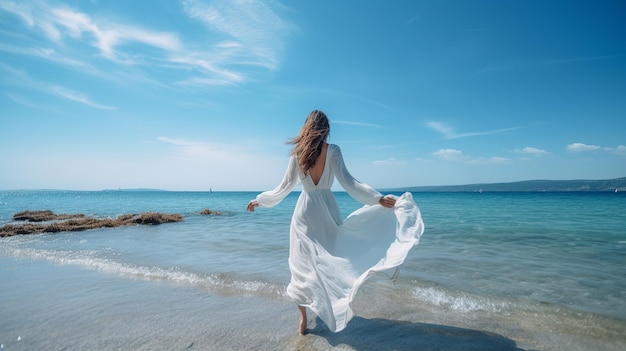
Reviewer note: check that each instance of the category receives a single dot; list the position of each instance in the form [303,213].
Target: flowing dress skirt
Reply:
[330,260]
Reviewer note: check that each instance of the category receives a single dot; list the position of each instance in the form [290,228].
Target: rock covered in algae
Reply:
[210,212]
[55,223]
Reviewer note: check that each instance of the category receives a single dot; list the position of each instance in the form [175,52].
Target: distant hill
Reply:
[134,189]
[611,185]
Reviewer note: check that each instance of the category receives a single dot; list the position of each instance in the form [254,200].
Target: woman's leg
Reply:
[302,310]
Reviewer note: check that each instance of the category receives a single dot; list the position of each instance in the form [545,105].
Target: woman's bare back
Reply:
[317,170]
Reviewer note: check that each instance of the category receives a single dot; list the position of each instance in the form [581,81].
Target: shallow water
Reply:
[541,270]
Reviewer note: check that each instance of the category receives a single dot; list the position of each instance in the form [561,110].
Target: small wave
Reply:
[458,301]
[218,283]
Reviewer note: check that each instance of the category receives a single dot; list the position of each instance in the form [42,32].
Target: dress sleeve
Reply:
[290,179]
[361,192]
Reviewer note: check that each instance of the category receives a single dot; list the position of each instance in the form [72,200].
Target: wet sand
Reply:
[78,309]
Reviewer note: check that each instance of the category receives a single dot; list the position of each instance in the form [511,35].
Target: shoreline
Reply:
[86,309]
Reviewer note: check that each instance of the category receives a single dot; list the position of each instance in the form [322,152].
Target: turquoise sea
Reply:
[493,271]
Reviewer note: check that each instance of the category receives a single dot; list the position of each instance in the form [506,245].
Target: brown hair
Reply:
[308,143]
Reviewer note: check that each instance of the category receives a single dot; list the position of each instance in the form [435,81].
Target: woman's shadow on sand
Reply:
[387,335]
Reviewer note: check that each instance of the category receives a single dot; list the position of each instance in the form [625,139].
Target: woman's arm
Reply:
[359,191]
[273,197]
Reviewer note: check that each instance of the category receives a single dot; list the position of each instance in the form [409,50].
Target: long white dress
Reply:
[330,258]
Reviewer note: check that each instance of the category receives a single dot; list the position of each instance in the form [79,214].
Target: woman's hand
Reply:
[252,205]
[387,201]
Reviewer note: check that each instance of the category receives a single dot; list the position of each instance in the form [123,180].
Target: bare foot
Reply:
[302,328]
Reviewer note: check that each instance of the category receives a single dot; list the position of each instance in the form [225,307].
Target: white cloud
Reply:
[110,36]
[532,151]
[58,57]
[251,27]
[214,75]
[21,10]
[449,133]
[21,78]
[241,34]
[457,155]
[449,154]
[579,147]
[620,149]
[61,22]
[360,124]
[78,97]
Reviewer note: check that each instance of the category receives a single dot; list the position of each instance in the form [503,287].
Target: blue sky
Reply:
[192,95]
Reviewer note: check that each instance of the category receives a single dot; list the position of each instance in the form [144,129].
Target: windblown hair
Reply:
[308,143]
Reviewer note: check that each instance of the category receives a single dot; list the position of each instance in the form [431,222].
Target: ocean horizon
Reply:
[533,185]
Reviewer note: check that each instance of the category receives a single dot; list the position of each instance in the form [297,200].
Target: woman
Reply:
[324,275]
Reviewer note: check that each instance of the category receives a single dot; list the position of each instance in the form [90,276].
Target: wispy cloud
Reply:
[209,153]
[359,124]
[214,75]
[78,97]
[189,148]
[241,34]
[449,133]
[21,78]
[76,63]
[21,100]
[458,156]
[107,38]
[253,30]
[60,22]
[45,53]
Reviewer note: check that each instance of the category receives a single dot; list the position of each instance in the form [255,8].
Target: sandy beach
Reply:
[128,314]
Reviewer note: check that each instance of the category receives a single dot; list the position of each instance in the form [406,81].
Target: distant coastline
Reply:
[134,189]
[579,185]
